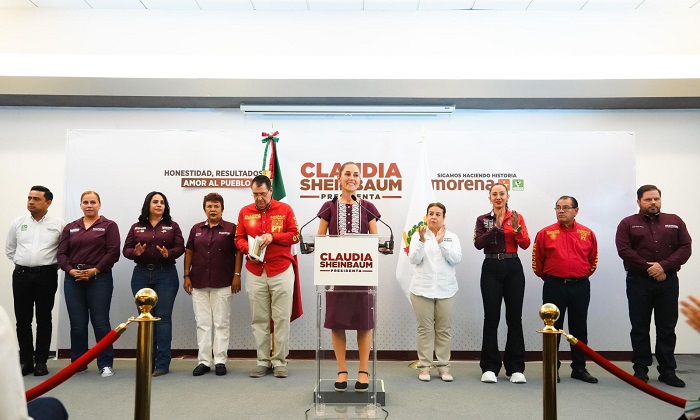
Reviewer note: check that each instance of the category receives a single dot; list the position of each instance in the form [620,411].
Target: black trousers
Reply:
[644,297]
[34,290]
[573,296]
[503,281]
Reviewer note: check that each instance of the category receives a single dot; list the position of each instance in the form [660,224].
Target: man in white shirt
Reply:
[32,242]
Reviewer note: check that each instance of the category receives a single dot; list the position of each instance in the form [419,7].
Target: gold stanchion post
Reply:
[549,314]
[145,299]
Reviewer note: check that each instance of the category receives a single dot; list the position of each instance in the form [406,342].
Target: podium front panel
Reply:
[346,261]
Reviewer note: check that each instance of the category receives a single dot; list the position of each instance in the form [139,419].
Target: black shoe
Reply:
[158,372]
[341,386]
[672,380]
[200,370]
[220,369]
[583,375]
[359,386]
[641,376]
[41,370]
[27,368]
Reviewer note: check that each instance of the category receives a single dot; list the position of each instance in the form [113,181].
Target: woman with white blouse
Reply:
[435,251]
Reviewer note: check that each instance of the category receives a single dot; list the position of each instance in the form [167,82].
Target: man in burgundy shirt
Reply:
[653,246]
[270,282]
[564,255]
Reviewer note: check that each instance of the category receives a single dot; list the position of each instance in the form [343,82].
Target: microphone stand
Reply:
[309,247]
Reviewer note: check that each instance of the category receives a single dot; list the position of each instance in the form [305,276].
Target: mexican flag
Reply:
[420,198]
[271,168]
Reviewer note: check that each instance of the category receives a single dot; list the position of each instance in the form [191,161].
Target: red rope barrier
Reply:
[70,370]
[635,382]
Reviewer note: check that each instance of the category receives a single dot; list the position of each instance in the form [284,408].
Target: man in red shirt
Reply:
[564,255]
[270,280]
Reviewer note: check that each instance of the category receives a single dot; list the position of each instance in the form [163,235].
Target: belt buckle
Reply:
[151,267]
[569,281]
[501,256]
[80,267]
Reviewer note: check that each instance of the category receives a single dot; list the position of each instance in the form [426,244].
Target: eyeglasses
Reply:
[261,194]
[564,208]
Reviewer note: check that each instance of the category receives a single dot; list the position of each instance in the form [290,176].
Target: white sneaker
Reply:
[424,375]
[489,377]
[446,377]
[106,372]
[518,378]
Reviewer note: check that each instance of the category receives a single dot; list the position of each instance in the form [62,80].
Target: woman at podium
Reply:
[434,251]
[349,311]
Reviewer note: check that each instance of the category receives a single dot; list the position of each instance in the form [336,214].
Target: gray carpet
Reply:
[179,395]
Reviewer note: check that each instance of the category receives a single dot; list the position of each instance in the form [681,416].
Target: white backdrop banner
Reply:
[595,167]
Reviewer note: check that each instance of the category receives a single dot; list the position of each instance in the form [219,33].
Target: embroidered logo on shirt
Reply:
[224,233]
[198,234]
[75,230]
[252,216]
[553,234]
[23,228]
[166,228]
[277,225]
[584,234]
[637,226]
[98,229]
[139,229]
[671,226]
[52,230]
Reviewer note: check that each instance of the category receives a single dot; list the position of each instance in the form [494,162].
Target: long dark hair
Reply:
[146,209]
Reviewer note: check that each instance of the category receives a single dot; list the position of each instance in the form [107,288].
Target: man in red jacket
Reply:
[273,226]
[565,254]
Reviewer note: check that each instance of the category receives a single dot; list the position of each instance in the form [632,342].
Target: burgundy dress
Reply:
[348,311]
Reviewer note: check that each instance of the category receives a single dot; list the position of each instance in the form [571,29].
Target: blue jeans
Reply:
[164,281]
[89,301]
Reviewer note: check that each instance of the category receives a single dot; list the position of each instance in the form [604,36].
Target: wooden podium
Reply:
[346,269]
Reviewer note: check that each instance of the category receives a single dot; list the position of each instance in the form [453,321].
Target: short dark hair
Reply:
[48,195]
[216,197]
[574,201]
[146,209]
[436,204]
[645,188]
[261,180]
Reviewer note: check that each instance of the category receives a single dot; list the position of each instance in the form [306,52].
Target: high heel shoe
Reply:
[341,386]
[359,386]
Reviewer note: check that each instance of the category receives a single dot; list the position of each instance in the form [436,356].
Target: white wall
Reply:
[33,141]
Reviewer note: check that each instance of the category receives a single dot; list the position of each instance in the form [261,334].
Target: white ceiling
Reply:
[357,5]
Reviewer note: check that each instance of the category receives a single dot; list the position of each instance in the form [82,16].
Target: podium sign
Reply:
[346,261]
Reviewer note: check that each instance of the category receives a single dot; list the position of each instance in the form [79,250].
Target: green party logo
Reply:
[518,184]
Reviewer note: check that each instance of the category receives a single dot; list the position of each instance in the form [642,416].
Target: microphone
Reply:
[388,246]
[308,248]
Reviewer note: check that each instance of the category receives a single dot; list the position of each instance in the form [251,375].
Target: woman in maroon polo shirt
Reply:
[212,275]
[88,249]
[154,243]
